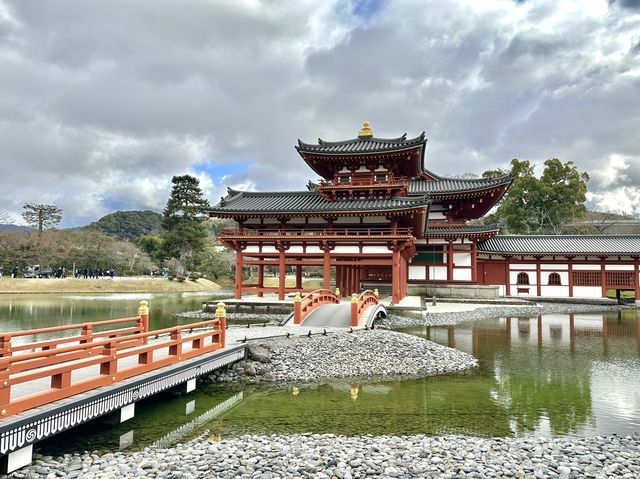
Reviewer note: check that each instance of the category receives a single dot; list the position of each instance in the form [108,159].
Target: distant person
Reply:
[14,272]
[113,273]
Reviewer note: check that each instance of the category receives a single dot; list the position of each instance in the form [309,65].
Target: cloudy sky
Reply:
[101,102]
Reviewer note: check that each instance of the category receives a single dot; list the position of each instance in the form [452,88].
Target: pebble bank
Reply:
[452,318]
[329,456]
[361,354]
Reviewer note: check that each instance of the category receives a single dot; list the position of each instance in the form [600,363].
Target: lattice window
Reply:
[586,278]
[523,278]
[619,278]
[554,280]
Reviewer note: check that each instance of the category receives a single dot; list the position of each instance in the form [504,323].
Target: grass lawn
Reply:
[138,284]
[290,282]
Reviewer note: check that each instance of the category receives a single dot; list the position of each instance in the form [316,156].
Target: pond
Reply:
[552,375]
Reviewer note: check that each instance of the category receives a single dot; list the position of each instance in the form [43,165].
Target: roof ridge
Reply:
[397,140]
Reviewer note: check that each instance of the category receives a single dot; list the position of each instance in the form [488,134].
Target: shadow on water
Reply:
[546,376]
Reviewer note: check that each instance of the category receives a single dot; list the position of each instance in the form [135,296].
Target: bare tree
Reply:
[41,216]
[4,217]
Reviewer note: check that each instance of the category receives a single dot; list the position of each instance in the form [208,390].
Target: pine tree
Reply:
[41,216]
[183,228]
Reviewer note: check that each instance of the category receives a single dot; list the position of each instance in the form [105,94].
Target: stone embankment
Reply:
[340,354]
[329,456]
[455,317]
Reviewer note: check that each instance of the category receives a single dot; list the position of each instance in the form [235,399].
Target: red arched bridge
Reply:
[324,308]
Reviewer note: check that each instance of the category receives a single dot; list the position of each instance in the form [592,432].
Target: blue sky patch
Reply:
[216,171]
[367,8]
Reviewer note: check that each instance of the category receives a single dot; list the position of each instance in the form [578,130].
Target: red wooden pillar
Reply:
[636,282]
[261,278]
[538,277]
[603,277]
[281,273]
[450,261]
[474,262]
[238,282]
[507,276]
[326,270]
[570,280]
[395,277]
[299,276]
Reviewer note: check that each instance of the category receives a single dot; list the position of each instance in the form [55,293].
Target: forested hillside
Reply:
[128,225]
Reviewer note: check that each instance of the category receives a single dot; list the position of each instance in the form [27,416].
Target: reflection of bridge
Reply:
[51,385]
[323,308]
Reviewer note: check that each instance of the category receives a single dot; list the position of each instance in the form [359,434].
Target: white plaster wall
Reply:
[587,291]
[271,221]
[436,215]
[417,272]
[375,249]
[295,249]
[251,249]
[502,290]
[346,219]
[555,291]
[618,267]
[518,267]
[314,249]
[346,249]
[554,267]
[461,274]
[437,241]
[586,267]
[438,272]
[462,259]
[514,291]
[269,249]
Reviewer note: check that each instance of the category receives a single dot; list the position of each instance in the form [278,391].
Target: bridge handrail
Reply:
[66,327]
[59,363]
[361,302]
[303,306]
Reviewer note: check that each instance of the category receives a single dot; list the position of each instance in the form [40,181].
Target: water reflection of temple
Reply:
[543,367]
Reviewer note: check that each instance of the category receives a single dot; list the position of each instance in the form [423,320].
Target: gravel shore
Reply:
[329,456]
[362,354]
[451,318]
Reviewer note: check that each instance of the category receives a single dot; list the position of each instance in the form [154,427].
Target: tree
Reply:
[129,225]
[541,205]
[183,228]
[41,216]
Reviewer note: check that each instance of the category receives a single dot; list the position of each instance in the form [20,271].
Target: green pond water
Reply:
[549,376]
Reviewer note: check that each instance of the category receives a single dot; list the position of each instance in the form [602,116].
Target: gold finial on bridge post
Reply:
[376,293]
[338,293]
[221,312]
[297,298]
[354,298]
[143,308]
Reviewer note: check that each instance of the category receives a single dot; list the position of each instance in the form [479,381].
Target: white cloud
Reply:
[100,104]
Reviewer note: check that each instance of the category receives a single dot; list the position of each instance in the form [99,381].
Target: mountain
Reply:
[128,225]
[14,228]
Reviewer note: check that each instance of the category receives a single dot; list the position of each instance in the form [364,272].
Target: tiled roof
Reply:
[308,202]
[462,229]
[610,244]
[361,145]
[454,185]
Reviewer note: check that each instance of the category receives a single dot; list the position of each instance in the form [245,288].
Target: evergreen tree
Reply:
[183,227]
[41,216]
[541,205]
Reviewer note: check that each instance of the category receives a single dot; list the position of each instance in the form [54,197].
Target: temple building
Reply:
[377,217]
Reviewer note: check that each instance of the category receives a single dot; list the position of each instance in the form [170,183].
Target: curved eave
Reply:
[452,235]
[329,214]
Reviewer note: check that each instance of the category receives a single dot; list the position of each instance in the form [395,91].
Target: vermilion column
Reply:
[238,282]
[603,278]
[450,261]
[395,277]
[538,277]
[570,279]
[507,276]
[474,262]
[636,282]
[299,276]
[326,269]
[261,278]
[281,274]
